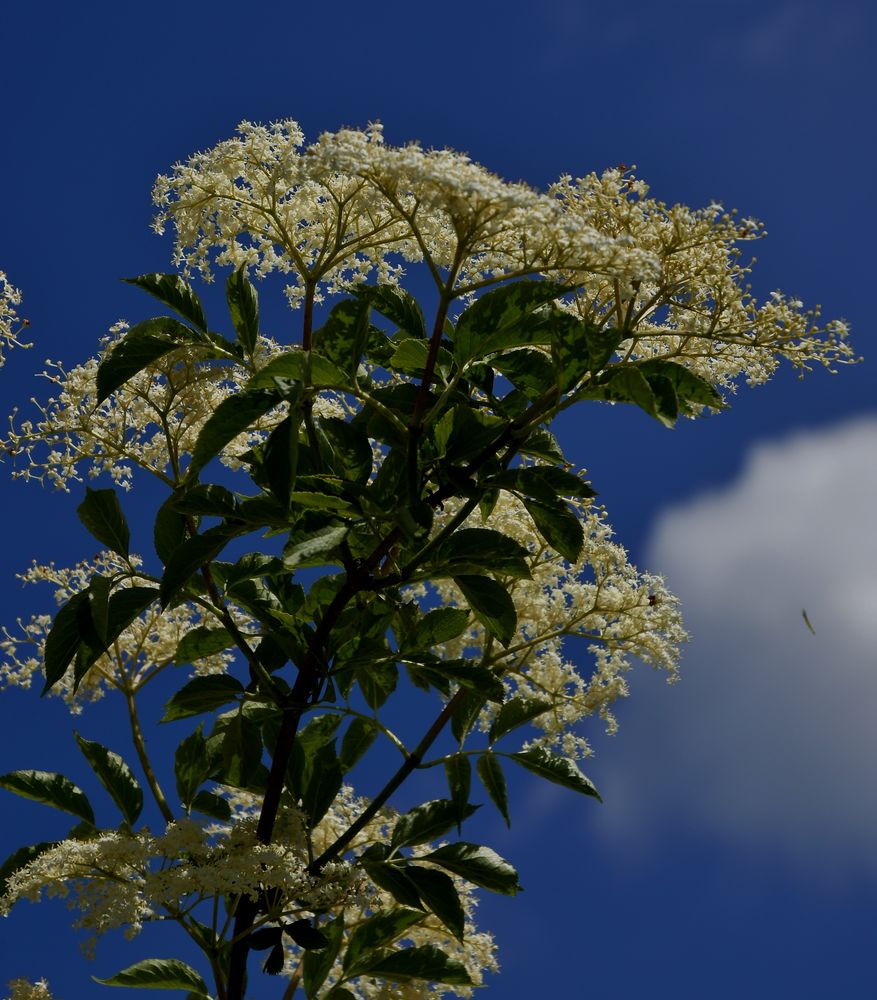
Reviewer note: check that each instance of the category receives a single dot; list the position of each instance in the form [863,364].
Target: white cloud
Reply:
[770,739]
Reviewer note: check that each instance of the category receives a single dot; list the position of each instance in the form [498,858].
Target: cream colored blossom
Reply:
[151,422]
[698,309]
[23,989]
[124,880]
[256,200]
[624,615]
[144,648]
[477,951]
[471,224]
[350,205]
[10,324]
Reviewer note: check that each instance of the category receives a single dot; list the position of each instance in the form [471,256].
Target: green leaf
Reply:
[476,550]
[490,773]
[542,444]
[601,344]
[202,694]
[188,559]
[377,932]
[339,993]
[211,804]
[579,348]
[116,777]
[144,344]
[101,513]
[159,974]
[343,336]
[173,291]
[491,604]
[427,821]
[438,892]
[191,766]
[546,482]
[359,737]
[51,789]
[233,416]
[243,304]
[63,639]
[529,370]
[349,451]
[121,609]
[207,499]
[439,626]
[504,318]
[306,935]
[689,388]
[280,453]
[316,965]
[557,524]
[200,642]
[399,306]
[170,530]
[411,357]
[377,681]
[98,611]
[467,673]
[458,771]
[235,750]
[314,550]
[553,767]
[466,713]
[18,859]
[323,780]
[424,962]
[394,879]
[624,384]
[515,712]
[477,864]
[294,366]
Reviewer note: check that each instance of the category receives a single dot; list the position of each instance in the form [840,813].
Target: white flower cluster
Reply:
[344,207]
[698,310]
[10,324]
[477,951]
[623,614]
[118,880]
[124,880]
[151,422]
[23,989]
[144,648]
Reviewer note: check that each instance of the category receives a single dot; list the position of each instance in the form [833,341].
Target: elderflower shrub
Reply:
[697,309]
[10,324]
[146,647]
[431,523]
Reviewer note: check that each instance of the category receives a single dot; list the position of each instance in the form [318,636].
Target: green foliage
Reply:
[51,789]
[159,974]
[101,513]
[116,777]
[327,619]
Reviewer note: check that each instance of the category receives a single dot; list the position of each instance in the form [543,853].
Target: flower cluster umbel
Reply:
[10,324]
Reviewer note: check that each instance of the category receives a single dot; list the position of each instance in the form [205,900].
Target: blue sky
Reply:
[734,852]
